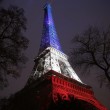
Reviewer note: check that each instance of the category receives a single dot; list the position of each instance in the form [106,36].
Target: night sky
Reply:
[70,17]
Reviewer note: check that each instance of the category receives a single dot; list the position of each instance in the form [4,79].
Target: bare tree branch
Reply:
[92,48]
[12,42]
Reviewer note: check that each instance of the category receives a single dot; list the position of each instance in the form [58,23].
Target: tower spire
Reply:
[49,34]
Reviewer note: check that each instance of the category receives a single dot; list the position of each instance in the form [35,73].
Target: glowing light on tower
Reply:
[49,35]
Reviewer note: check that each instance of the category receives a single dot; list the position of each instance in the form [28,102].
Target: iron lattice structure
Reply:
[49,35]
[50,55]
[52,65]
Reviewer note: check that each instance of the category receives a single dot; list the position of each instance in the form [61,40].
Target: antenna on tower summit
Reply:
[49,1]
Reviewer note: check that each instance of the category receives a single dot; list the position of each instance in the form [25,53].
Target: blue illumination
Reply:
[49,37]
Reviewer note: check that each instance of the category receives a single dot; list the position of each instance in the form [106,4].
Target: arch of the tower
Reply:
[70,102]
[91,102]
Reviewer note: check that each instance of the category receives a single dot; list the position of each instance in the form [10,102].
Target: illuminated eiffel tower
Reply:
[57,81]
[53,84]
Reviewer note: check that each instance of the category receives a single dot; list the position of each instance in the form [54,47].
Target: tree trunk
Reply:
[107,75]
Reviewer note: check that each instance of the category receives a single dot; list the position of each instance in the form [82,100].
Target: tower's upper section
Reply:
[49,35]
[50,55]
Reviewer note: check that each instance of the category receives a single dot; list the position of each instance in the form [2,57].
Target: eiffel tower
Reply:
[53,84]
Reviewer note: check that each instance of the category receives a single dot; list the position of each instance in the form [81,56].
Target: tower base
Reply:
[54,91]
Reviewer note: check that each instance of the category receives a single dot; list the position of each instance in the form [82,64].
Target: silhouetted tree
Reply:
[12,42]
[92,50]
